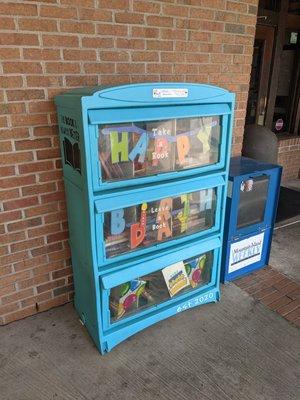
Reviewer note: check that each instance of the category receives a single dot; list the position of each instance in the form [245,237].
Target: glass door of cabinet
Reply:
[253,195]
[150,223]
[152,290]
[143,148]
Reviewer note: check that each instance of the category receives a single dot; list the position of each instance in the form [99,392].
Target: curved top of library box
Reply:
[145,94]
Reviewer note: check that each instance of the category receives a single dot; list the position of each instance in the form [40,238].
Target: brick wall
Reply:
[50,46]
[289,157]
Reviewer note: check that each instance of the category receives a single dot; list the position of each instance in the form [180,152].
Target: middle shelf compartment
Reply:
[148,220]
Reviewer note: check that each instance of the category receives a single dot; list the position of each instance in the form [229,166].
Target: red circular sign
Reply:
[279,124]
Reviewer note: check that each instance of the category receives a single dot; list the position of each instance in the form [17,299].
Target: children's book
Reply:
[176,277]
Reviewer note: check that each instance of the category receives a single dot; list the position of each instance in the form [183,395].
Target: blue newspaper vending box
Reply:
[252,198]
[145,170]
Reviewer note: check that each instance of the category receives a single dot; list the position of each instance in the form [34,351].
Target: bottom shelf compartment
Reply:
[157,287]
[118,333]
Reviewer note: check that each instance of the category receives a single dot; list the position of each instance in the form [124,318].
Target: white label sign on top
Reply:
[169,93]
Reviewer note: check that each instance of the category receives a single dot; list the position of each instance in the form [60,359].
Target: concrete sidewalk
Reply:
[236,349]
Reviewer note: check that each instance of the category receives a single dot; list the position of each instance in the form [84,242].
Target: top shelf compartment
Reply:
[143,146]
[148,133]
[146,148]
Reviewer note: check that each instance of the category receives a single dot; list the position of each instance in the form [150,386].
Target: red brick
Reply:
[27,244]
[58,12]
[19,39]
[9,308]
[45,131]
[44,230]
[129,18]
[41,210]
[9,194]
[60,41]
[9,54]
[24,224]
[236,6]
[291,306]
[10,216]
[289,288]
[81,80]
[293,315]
[29,120]
[80,55]
[99,68]
[144,32]
[20,203]
[271,298]
[10,81]
[30,263]
[62,273]
[77,27]
[28,94]
[264,292]
[176,10]
[58,301]
[36,167]
[62,68]
[5,290]
[57,237]
[50,285]
[48,153]
[18,9]
[14,133]
[14,158]
[22,294]
[109,30]
[281,302]
[295,294]
[14,316]
[32,144]
[136,68]
[114,4]
[50,176]
[155,20]
[36,300]
[5,146]
[96,42]
[48,198]
[147,7]
[10,258]
[37,24]
[5,271]
[31,282]
[59,255]
[50,266]
[95,14]
[22,67]
[7,170]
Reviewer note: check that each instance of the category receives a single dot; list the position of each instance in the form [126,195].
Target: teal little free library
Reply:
[145,171]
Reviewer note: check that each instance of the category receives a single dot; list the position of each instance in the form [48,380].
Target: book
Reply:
[176,278]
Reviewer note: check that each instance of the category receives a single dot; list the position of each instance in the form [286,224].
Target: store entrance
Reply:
[260,75]
[274,85]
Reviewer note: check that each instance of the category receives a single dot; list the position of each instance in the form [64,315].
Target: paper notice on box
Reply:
[176,277]
[245,252]
[169,93]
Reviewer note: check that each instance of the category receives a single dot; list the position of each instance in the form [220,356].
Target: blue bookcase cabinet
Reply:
[145,170]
